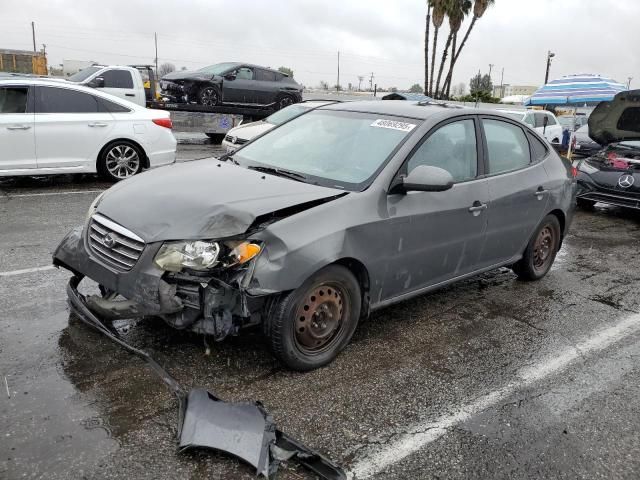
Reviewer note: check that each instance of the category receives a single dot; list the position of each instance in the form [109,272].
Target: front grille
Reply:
[235,140]
[612,199]
[114,244]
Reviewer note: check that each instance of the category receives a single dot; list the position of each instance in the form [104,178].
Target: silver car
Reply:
[308,229]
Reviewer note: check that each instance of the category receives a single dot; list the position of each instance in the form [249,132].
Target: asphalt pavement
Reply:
[490,378]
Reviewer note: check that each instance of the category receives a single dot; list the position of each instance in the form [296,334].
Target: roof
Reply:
[414,97]
[576,89]
[402,108]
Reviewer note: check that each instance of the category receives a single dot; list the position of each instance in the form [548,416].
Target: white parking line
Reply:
[11,273]
[71,192]
[427,432]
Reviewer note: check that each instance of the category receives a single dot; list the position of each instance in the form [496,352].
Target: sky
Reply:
[383,37]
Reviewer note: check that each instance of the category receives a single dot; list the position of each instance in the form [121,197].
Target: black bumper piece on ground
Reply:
[206,421]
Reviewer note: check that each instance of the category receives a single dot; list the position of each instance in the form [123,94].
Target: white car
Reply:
[238,136]
[51,127]
[552,130]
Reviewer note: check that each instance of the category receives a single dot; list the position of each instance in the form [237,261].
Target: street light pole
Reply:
[629,82]
[550,55]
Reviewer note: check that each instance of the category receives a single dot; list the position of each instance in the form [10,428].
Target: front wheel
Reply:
[120,160]
[541,250]
[308,327]
[208,96]
[283,101]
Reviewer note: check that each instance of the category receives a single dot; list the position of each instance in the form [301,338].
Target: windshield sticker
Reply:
[402,126]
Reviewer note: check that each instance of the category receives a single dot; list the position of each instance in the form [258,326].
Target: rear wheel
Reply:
[541,250]
[584,203]
[284,101]
[120,160]
[308,327]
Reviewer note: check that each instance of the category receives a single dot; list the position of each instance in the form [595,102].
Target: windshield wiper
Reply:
[281,173]
[228,157]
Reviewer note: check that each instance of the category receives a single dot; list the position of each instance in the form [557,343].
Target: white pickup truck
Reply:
[121,81]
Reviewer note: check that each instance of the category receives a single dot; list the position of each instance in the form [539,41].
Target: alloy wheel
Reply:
[285,102]
[209,97]
[122,161]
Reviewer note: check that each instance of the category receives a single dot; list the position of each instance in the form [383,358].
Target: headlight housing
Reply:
[202,255]
[585,167]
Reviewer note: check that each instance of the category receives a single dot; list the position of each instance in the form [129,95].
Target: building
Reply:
[510,90]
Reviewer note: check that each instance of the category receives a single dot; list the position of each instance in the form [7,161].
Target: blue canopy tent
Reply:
[584,89]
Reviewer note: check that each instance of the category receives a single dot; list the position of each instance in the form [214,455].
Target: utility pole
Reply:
[338,84]
[502,84]
[491,65]
[550,55]
[629,82]
[371,83]
[360,78]
[155,35]
[33,34]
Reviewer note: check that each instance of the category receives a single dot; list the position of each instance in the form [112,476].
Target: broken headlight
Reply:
[203,255]
[197,255]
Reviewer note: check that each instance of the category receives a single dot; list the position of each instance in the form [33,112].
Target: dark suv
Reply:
[232,83]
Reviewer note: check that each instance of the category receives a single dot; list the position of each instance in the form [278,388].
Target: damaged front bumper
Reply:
[244,430]
[200,303]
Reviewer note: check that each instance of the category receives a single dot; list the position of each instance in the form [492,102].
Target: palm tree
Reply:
[456,17]
[426,49]
[455,11]
[439,10]
[479,9]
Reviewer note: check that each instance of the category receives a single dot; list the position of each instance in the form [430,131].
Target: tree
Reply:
[459,89]
[286,71]
[479,9]
[426,47]
[480,84]
[439,10]
[183,68]
[324,85]
[166,68]
[455,10]
[416,88]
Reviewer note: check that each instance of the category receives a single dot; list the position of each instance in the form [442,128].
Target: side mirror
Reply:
[424,178]
[97,82]
[230,76]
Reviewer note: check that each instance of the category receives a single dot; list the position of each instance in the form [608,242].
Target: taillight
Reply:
[574,172]
[163,122]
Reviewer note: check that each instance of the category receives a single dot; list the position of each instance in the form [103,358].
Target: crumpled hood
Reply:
[187,74]
[617,120]
[203,199]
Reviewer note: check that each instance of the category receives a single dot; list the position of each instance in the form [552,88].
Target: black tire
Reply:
[308,327]
[541,250]
[209,96]
[215,137]
[112,164]
[585,204]
[283,100]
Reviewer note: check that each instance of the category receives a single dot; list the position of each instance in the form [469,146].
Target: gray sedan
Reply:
[330,216]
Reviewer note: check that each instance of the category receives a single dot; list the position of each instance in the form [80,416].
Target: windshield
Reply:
[285,114]
[82,75]
[218,68]
[331,148]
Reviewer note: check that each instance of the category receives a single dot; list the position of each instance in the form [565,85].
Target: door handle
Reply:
[19,127]
[129,94]
[97,124]
[477,208]
[540,192]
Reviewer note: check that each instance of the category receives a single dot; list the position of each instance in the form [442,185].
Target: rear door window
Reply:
[266,75]
[13,99]
[117,79]
[507,146]
[64,100]
[452,148]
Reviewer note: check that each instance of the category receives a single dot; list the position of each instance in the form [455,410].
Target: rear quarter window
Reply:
[538,149]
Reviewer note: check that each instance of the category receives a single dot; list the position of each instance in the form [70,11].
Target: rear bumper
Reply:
[201,304]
